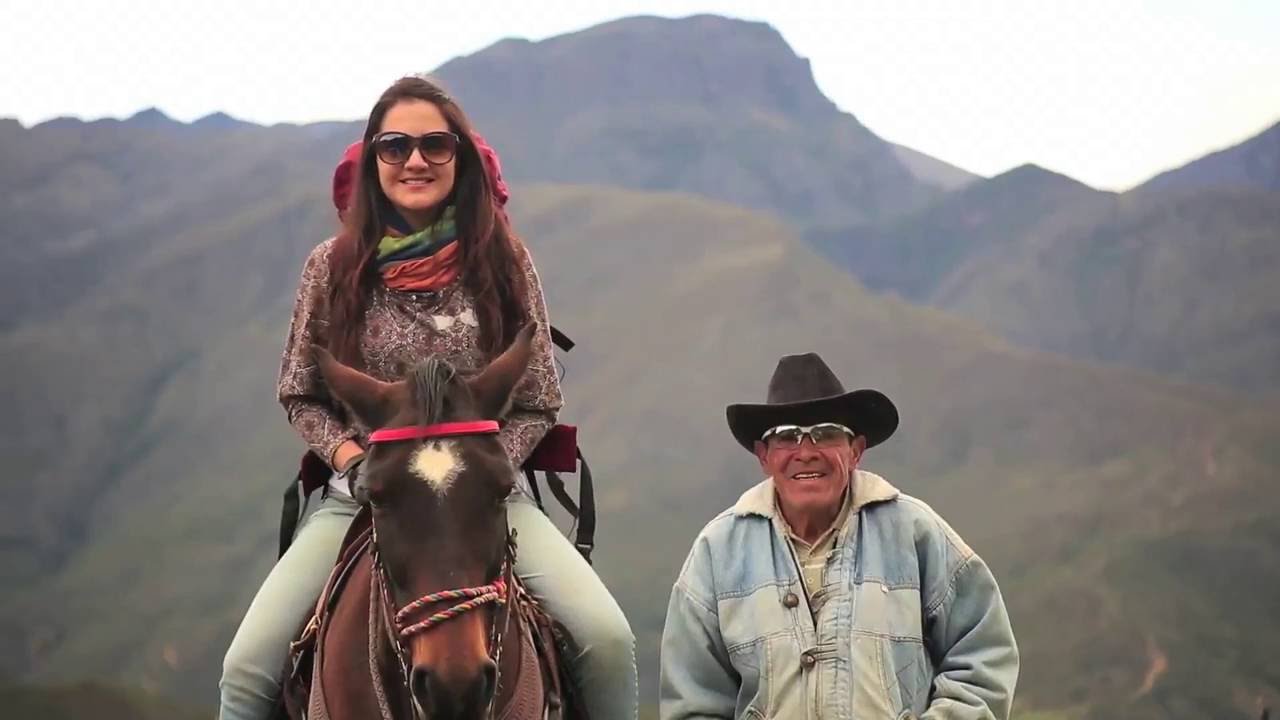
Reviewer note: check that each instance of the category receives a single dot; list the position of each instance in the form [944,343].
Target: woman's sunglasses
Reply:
[394,148]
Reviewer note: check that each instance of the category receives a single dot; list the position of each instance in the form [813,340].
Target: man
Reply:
[826,593]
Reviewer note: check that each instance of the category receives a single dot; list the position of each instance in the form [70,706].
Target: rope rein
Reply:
[472,597]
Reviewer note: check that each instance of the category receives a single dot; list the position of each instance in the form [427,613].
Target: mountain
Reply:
[171,452]
[221,121]
[1068,478]
[95,197]
[718,107]
[105,210]
[933,171]
[1129,517]
[1180,284]
[65,121]
[1252,164]
[916,253]
[151,118]
[1176,281]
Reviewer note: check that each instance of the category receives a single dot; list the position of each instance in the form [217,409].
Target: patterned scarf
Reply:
[422,261]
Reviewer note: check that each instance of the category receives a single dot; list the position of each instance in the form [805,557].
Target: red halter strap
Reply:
[439,430]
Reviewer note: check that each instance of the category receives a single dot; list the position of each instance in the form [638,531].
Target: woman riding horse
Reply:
[425,267]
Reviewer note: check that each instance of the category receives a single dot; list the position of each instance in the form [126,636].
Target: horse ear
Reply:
[372,400]
[492,388]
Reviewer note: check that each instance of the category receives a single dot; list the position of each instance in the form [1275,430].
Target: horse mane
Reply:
[429,388]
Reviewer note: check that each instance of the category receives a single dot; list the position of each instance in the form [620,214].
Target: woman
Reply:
[426,265]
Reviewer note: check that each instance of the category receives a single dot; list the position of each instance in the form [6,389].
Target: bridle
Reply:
[398,624]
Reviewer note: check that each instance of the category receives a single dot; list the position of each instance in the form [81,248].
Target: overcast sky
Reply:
[1107,92]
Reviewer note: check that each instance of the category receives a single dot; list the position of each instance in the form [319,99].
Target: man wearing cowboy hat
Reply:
[826,593]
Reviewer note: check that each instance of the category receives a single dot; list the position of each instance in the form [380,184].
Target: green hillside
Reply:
[1087,489]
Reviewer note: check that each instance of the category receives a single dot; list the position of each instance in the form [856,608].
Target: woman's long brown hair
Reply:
[486,244]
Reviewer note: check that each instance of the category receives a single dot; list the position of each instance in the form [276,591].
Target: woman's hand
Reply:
[346,453]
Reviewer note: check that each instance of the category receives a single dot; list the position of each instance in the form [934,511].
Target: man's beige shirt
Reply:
[812,558]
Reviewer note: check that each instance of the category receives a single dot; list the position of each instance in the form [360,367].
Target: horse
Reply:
[423,616]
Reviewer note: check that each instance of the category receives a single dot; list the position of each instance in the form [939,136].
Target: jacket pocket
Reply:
[908,677]
[788,678]
[750,660]
[890,672]
[759,633]
[890,612]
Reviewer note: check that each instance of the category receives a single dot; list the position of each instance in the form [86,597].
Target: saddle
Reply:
[541,687]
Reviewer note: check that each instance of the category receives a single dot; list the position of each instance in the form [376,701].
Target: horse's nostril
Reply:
[420,686]
[433,696]
[490,680]
[360,491]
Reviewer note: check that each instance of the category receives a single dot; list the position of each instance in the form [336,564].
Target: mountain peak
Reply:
[707,104]
[1254,163]
[150,118]
[723,64]
[219,120]
[1040,177]
[62,121]
[701,25]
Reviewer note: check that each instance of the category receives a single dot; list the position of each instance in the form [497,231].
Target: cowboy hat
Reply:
[804,391]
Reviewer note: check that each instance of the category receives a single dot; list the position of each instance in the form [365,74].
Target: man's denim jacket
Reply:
[910,622]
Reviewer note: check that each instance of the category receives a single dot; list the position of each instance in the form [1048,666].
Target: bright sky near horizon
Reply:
[1109,92]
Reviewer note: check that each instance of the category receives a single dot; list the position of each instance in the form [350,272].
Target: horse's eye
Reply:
[371,493]
[380,494]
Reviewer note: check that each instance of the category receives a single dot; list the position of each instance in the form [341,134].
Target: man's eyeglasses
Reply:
[395,148]
[821,435]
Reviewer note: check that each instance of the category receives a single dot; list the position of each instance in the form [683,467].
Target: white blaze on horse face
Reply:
[437,464]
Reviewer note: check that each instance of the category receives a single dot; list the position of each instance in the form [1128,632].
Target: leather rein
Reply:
[399,626]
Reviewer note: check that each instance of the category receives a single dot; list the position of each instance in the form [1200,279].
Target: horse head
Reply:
[435,480]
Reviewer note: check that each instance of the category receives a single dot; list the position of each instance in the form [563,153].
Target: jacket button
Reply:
[807,660]
[790,600]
